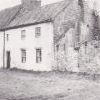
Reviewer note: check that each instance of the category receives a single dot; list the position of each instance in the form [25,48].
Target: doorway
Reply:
[8,59]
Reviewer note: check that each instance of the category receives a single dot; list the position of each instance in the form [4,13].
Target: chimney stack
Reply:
[31,4]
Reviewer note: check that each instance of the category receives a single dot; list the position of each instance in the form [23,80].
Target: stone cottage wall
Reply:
[90,58]
[65,23]
[66,55]
[89,47]
[87,58]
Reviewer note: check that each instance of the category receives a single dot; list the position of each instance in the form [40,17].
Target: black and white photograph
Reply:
[49,49]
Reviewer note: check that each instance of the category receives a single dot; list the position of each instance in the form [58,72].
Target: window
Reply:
[57,47]
[38,55]
[23,53]
[37,31]
[7,37]
[23,35]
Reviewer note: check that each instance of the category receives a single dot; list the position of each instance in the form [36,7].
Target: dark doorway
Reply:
[8,59]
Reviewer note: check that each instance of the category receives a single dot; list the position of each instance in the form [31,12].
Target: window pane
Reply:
[38,55]
[37,31]
[23,35]
[23,55]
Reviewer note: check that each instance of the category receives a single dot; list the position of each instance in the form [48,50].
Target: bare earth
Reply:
[19,85]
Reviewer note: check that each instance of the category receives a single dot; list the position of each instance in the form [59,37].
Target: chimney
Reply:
[31,4]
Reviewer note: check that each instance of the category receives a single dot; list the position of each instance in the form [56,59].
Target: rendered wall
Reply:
[1,48]
[45,42]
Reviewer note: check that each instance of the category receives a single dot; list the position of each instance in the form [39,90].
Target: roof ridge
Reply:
[44,13]
[21,4]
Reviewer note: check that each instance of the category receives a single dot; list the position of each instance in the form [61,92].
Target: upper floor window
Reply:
[23,34]
[38,55]
[7,37]
[23,54]
[37,31]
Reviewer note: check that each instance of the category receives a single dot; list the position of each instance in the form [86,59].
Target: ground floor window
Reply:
[23,54]
[57,47]
[38,55]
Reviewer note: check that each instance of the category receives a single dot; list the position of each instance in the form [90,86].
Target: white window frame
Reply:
[38,55]
[23,34]
[37,32]
[23,55]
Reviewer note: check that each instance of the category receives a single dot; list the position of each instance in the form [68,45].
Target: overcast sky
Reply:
[9,3]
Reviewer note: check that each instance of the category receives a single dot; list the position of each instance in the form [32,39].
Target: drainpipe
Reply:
[4,50]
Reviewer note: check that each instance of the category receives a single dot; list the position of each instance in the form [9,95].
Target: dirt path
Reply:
[16,85]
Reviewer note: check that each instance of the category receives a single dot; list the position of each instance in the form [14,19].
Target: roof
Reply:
[70,25]
[7,15]
[18,16]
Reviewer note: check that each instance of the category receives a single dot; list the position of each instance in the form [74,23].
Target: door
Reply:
[8,59]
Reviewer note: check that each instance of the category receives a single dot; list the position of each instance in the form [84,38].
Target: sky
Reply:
[9,3]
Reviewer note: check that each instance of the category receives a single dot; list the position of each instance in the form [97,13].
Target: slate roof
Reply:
[17,16]
[7,15]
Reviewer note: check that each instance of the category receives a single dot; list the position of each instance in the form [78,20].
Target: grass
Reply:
[28,85]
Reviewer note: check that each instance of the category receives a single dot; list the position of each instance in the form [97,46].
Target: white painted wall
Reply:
[1,49]
[45,42]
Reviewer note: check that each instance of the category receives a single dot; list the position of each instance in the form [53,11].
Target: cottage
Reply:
[44,38]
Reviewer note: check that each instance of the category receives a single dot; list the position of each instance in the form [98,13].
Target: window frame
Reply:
[23,55]
[23,34]
[37,32]
[38,55]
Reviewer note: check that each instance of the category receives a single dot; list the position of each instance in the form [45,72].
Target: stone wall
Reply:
[66,58]
[66,55]
[89,46]
[86,58]
[90,57]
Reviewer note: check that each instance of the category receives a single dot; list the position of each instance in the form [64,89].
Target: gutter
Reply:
[24,25]
[4,50]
